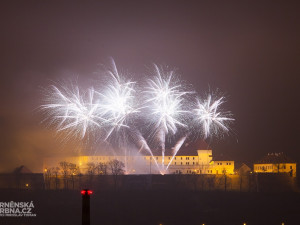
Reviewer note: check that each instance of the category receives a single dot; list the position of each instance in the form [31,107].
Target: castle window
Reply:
[193,163]
[207,171]
[175,158]
[181,158]
[156,158]
[181,163]
[291,167]
[175,163]
[169,157]
[229,163]
[284,167]
[193,158]
[220,163]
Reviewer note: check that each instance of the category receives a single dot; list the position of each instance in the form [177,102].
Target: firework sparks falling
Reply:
[164,100]
[210,118]
[72,111]
[117,101]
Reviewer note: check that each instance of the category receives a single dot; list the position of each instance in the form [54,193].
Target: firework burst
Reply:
[71,110]
[210,117]
[164,101]
[117,101]
[165,104]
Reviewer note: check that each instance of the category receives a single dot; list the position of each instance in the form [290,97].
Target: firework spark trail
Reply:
[70,110]
[117,101]
[145,146]
[210,118]
[176,149]
[165,103]
[138,137]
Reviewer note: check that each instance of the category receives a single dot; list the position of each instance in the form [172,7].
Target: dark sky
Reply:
[249,50]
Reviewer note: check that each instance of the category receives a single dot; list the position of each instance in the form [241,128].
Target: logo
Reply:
[17,209]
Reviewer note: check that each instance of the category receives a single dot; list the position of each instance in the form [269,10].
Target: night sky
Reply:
[250,51]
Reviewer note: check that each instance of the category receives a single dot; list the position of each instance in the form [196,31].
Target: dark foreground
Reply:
[158,207]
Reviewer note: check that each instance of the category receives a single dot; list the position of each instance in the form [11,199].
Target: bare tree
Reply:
[47,174]
[101,169]
[65,171]
[55,171]
[91,171]
[117,169]
[74,170]
[225,179]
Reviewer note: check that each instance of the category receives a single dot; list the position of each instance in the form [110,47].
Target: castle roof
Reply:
[221,157]
[22,170]
[274,158]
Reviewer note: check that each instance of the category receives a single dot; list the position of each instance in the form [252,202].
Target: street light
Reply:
[86,206]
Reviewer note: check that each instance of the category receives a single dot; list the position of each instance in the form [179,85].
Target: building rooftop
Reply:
[275,158]
[22,170]
[221,157]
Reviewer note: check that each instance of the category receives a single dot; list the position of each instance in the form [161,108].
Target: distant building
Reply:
[275,163]
[22,170]
[192,158]
[242,168]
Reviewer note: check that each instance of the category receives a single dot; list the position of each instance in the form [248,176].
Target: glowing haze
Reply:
[166,105]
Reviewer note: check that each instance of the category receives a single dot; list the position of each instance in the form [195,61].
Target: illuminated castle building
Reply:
[275,163]
[192,158]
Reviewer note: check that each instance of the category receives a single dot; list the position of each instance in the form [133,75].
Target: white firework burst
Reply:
[165,101]
[117,101]
[71,110]
[209,116]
